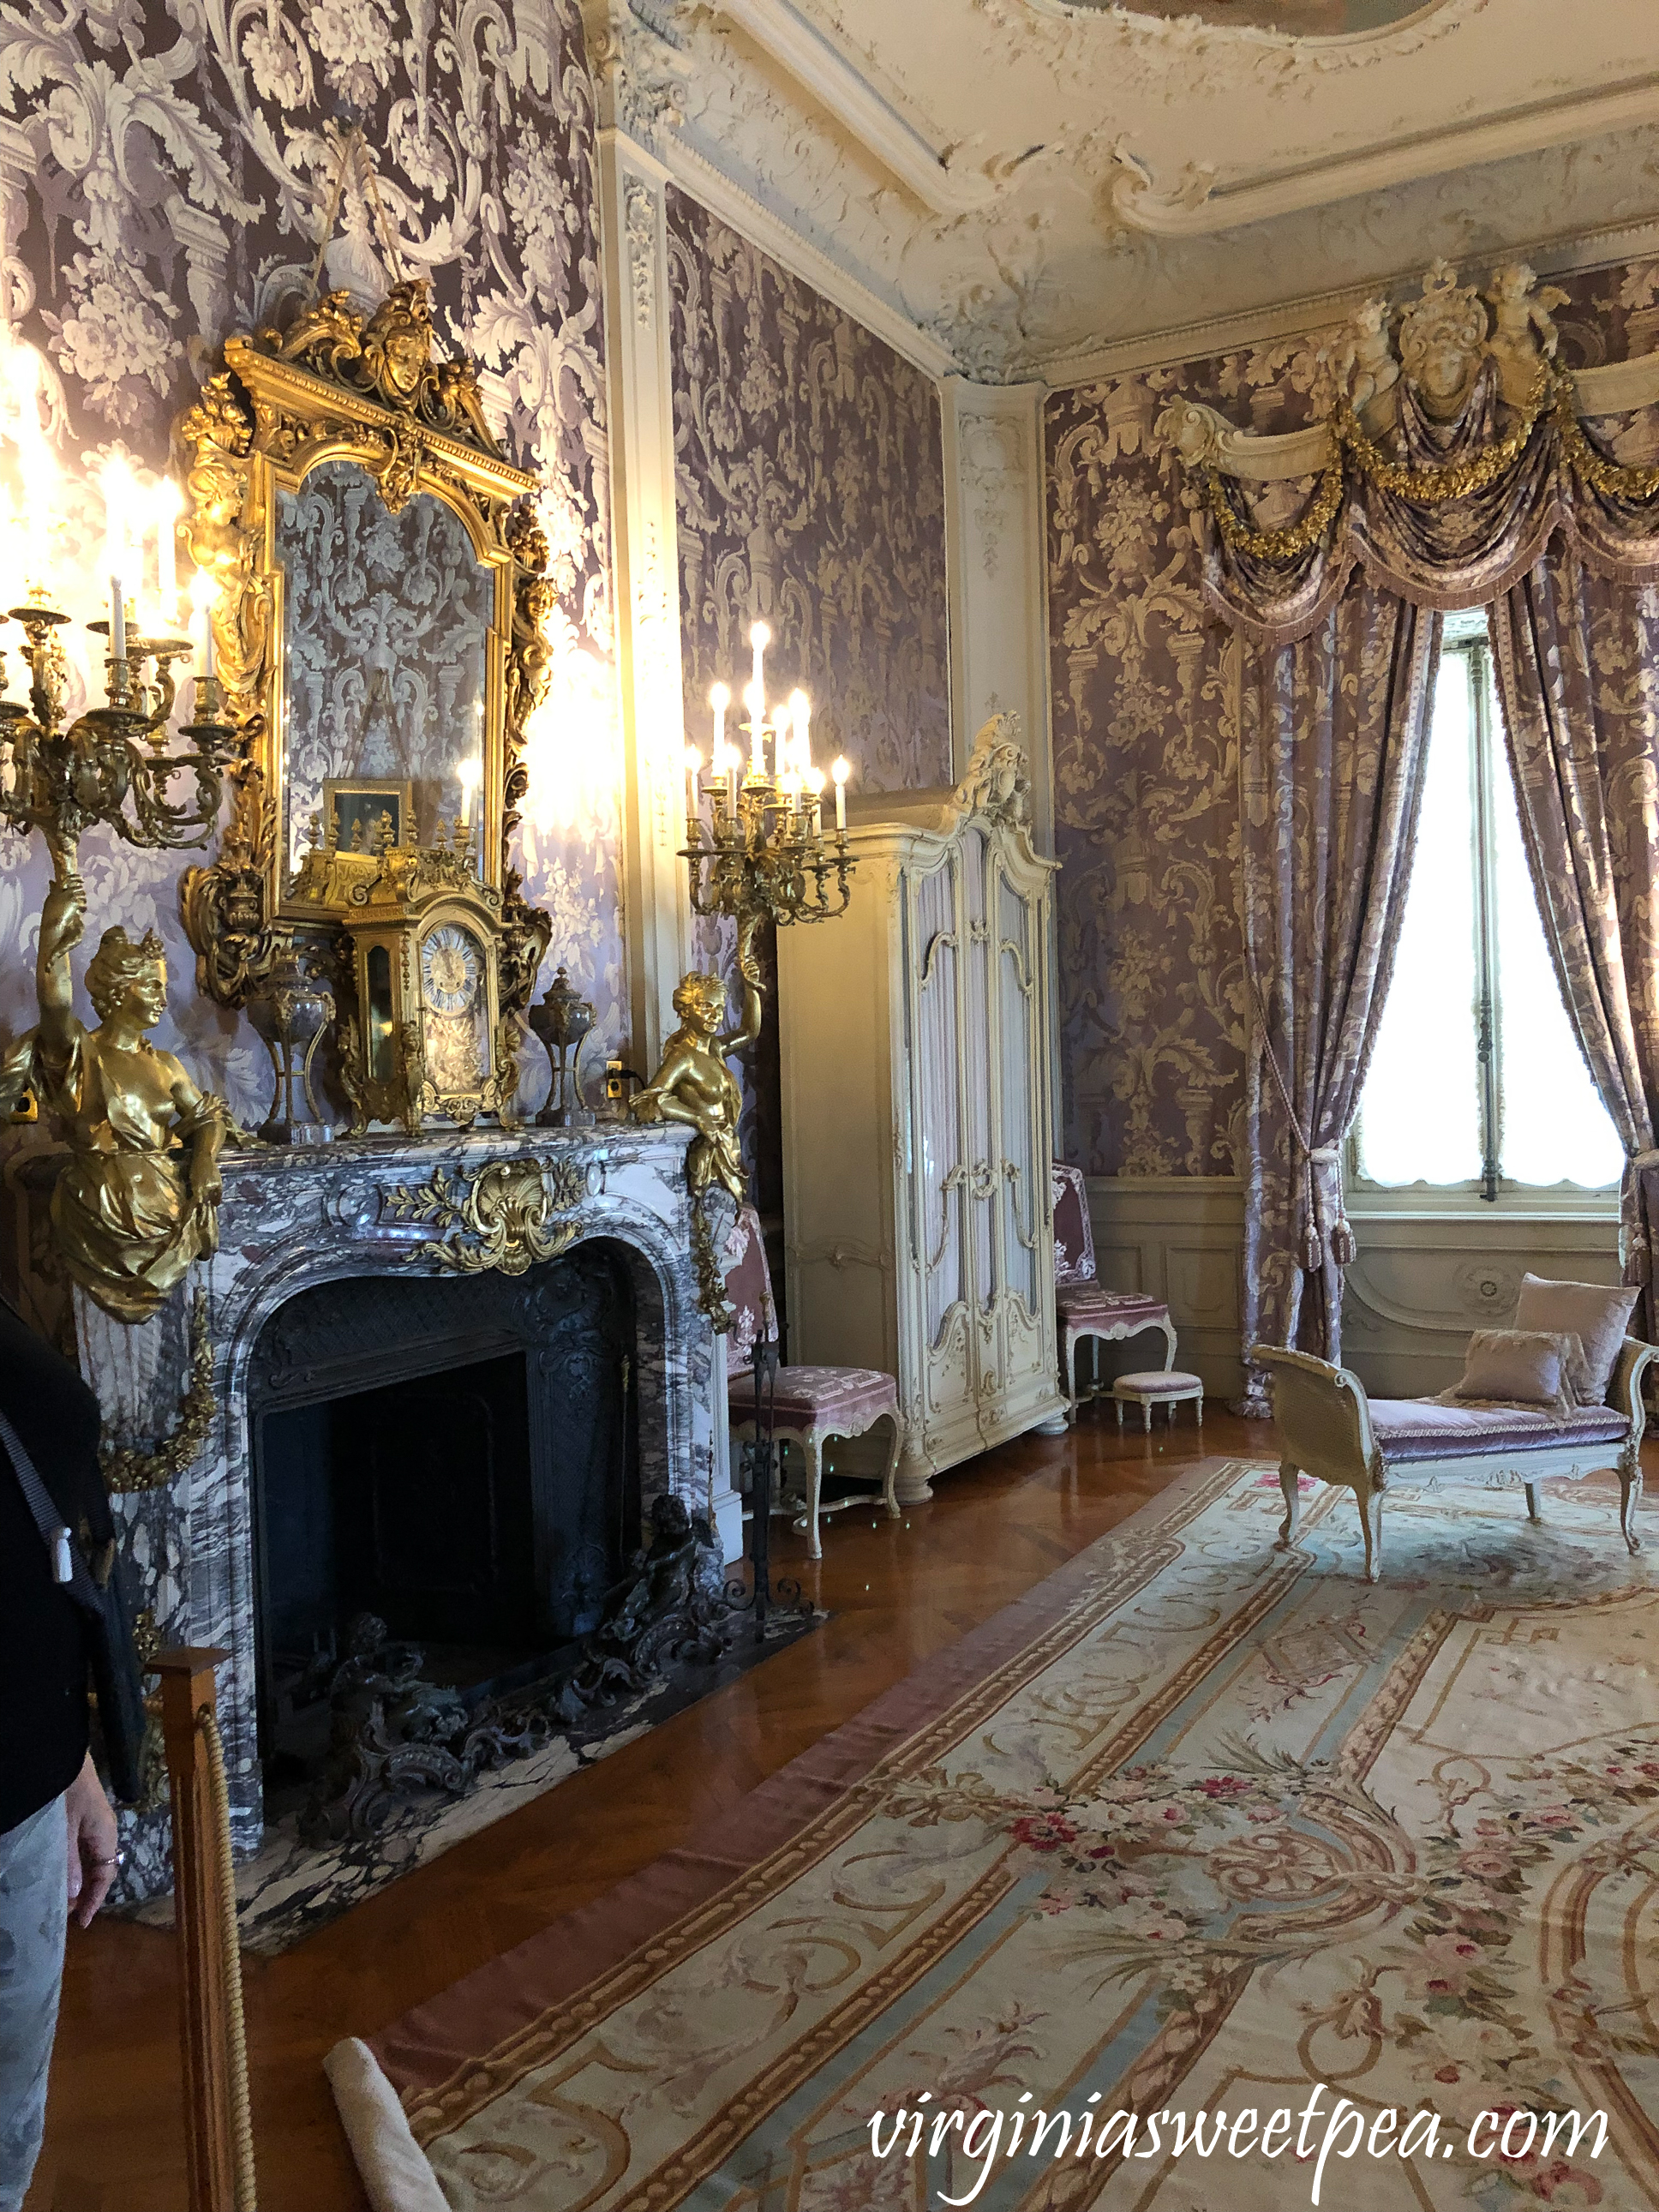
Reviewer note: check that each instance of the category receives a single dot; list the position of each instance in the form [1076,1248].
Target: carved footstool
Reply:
[1156,1386]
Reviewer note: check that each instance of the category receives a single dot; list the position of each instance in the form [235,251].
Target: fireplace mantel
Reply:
[373,1206]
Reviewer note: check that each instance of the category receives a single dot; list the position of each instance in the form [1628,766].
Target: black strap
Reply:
[49,1522]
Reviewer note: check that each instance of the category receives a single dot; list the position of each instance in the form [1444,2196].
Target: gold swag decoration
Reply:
[1553,394]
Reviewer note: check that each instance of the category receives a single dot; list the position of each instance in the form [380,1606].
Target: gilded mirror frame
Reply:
[339,386]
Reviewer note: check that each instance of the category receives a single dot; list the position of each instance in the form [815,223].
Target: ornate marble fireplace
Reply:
[465,1204]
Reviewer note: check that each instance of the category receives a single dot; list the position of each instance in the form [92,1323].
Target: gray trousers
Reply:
[33,1914]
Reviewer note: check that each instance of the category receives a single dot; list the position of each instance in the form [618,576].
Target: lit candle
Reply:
[814,785]
[693,762]
[754,699]
[733,762]
[117,617]
[203,592]
[720,699]
[841,771]
[167,505]
[468,776]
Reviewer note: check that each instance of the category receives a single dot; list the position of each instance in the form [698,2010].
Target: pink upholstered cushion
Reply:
[1154,1382]
[749,1287]
[1421,1429]
[1074,1236]
[1598,1314]
[1523,1367]
[846,1398]
[1080,1303]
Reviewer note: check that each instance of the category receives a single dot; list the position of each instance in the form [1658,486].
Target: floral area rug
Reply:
[1197,1828]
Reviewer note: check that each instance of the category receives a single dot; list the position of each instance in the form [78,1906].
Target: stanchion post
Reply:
[187,1685]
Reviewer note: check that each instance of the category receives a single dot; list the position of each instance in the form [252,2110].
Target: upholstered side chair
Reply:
[1087,1309]
[811,1404]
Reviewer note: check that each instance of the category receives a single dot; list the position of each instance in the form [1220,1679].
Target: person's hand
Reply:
[93,1855]
[748,962]
[206,1188]
[64,915]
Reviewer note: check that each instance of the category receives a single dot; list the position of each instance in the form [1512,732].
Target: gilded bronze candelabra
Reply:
[763,852]
[112,764]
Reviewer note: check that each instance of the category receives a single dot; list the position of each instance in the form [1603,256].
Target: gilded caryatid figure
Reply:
[693,1084]
[136,1200]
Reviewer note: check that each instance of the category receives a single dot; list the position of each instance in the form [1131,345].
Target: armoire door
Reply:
[937,1169]
[1023,1243]
[980,1119]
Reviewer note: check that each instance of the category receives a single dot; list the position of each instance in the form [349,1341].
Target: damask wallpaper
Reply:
[1154,1019]
[809,476]
[165,171]
[810,481]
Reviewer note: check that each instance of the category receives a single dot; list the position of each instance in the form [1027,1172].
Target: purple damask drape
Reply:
[1331,751]
[1577,655]
[1337,639]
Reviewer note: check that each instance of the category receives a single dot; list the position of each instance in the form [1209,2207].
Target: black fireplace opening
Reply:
[457,1458]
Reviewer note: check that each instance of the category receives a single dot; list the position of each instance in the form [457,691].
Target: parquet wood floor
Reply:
[896,1591]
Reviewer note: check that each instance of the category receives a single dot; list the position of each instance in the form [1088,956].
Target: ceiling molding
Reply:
[871,121]
[713,189]
[1149,22]
[1201,206]
[828,130]
[1169,348]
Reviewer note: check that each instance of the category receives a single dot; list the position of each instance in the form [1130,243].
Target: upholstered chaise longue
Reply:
[1327,1426]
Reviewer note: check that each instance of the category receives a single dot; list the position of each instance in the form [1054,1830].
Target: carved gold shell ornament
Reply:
[508,1218]
[337,385]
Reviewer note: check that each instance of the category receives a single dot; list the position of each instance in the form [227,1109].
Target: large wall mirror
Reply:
[379,627]
[388,623]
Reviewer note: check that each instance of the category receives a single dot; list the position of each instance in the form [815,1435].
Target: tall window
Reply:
[1478,1081]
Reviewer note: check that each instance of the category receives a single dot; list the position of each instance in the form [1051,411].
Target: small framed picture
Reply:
[362,813]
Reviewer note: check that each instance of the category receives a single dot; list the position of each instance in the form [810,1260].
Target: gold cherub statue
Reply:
[693,1084]
[137,1199]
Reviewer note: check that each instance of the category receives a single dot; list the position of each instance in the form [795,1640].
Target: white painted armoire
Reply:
[917,1122]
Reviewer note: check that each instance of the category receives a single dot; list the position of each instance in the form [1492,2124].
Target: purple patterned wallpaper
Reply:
[809,476]
[1152,993]
[163,178]
[811,481]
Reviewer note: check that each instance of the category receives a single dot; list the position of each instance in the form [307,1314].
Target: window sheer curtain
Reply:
[1339,633]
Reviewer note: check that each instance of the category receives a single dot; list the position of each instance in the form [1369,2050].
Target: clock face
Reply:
[451,969]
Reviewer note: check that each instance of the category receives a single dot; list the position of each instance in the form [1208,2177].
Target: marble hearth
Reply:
[442,1207]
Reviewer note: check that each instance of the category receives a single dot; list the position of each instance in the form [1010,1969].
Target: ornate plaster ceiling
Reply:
[1302,19]
[1031,180]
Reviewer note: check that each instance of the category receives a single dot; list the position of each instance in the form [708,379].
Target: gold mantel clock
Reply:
[427,1040]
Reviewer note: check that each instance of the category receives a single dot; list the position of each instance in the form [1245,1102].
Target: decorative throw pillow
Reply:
[1520,1367]
[1596,1313]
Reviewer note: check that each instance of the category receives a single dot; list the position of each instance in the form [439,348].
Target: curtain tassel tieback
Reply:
[1310,1158]
[1338,1246]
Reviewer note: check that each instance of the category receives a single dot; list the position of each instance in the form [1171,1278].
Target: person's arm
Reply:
[202,1123]
[92,1856]
[657,1102]
[62,923]
[749,970]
